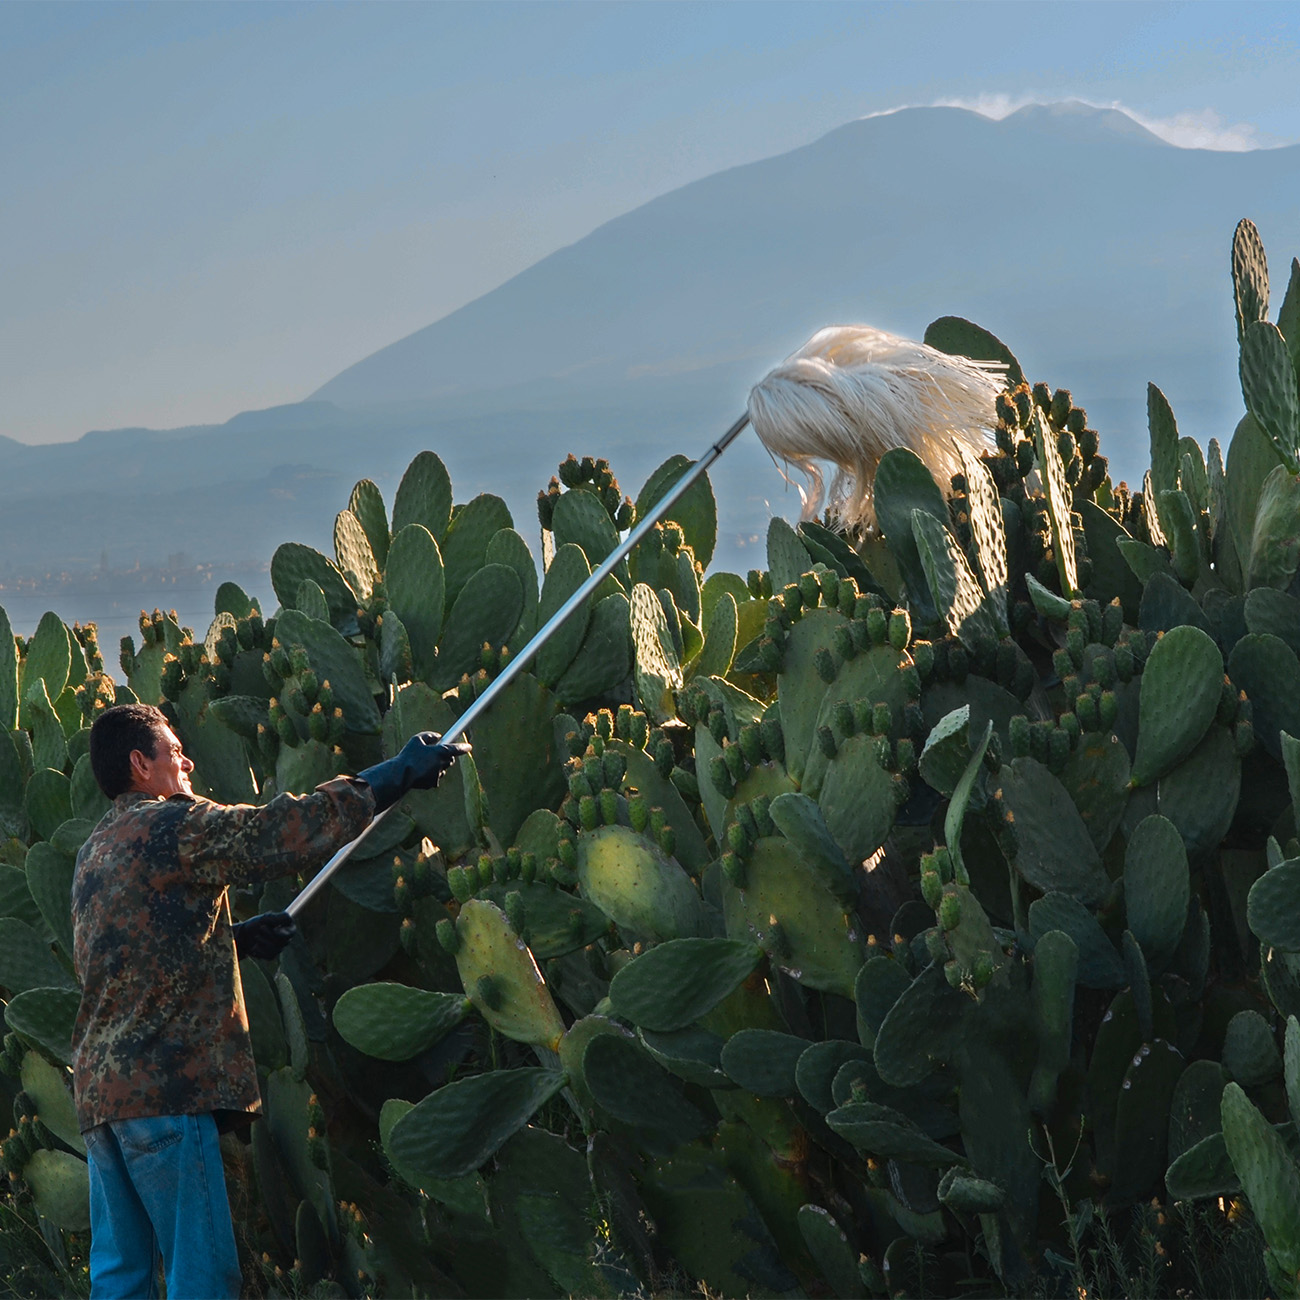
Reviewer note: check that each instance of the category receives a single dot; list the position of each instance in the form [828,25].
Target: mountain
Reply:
[1096,251]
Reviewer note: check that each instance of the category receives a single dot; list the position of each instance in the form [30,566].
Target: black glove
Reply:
[264,935]
[419,766]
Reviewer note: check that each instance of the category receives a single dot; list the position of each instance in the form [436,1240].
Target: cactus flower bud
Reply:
[447,936]
[843,641]
[931,888]
[735,762]
[882,719]
[721,776]
[826,739]
[824,662]
[609,807]
[733,868]
[810,589]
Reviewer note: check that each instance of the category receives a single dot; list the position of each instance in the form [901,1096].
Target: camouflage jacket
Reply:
[162,1028]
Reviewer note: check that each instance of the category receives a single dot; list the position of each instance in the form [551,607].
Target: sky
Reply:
[210,208]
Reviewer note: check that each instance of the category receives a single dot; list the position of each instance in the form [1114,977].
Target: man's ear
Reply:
[139,762]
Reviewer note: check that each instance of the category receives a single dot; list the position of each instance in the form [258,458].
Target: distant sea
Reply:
[113,599]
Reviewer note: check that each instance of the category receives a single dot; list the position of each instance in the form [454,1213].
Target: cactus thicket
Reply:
[904,917]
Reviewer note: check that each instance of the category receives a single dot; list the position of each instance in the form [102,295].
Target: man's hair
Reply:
[116,732]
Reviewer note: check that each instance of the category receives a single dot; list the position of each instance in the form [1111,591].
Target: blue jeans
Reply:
[157,1184]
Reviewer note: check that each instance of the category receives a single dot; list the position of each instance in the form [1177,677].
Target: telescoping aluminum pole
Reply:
[525,656]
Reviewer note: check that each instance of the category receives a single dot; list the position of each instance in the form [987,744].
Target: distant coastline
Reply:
[113,598]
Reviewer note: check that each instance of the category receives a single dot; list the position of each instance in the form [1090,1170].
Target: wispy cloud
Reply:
[1193,129]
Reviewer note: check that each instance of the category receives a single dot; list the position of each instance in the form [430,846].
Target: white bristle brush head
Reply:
[852,393]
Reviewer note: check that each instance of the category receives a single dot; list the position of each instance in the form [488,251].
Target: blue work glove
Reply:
[418,766]
[265,935]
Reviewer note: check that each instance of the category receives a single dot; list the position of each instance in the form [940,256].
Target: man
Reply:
[161,1051]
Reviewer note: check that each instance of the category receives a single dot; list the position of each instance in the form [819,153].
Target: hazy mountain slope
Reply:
[1097,251]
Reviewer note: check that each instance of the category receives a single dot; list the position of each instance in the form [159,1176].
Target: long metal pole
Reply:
[539,639]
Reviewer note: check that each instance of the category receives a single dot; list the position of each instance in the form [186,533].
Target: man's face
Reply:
[167,772]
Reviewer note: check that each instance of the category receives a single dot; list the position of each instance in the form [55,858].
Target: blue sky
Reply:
[213,207]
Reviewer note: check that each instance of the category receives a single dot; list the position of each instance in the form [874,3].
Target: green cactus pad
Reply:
[49,748]
[829,1246]
[555,921]
[26,961]
[920,1031]
[47,1017]
[763,1061]
[947,751]
[695,511]
[858,799]
[903,485]
[1249,1053]
[604,659]
[489,949]
[335,661]
[1142,1120]
[486,610]
[567,572]
[60,1184]
[1275,540]
[720,631]
[47,801]
[688,1197]
[884,1132]
[1268,383]
[352,550]
[464,543]
[800,820]
[820,1064]
[787,556]
[879,984]
[1273,907]
[692,1054]
[1272,611]
[1268,1174]
[395,1022]
[820,946]
[293,564]
[988,535]
[1181,685]
[48,657]
[1056,965]
[1056,494]
[580,518]
[967,1194]
[462,1124]
[48,1087]
[573,1047]
[13,811]
[1096,776]
[509,548]
[644,776]
[626,1082]
[657,668]
[423,496]
[954,589]
[1194,1113]
[416,587]
[1200,795]
[637,886]
[49,878]
[1203,1171]
[959,337]
[1156,889]
[673,984]
[8,675]
[800,688]
[1054,852]
[871,676]
[1265,667]
[1100,966]
[16,899]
